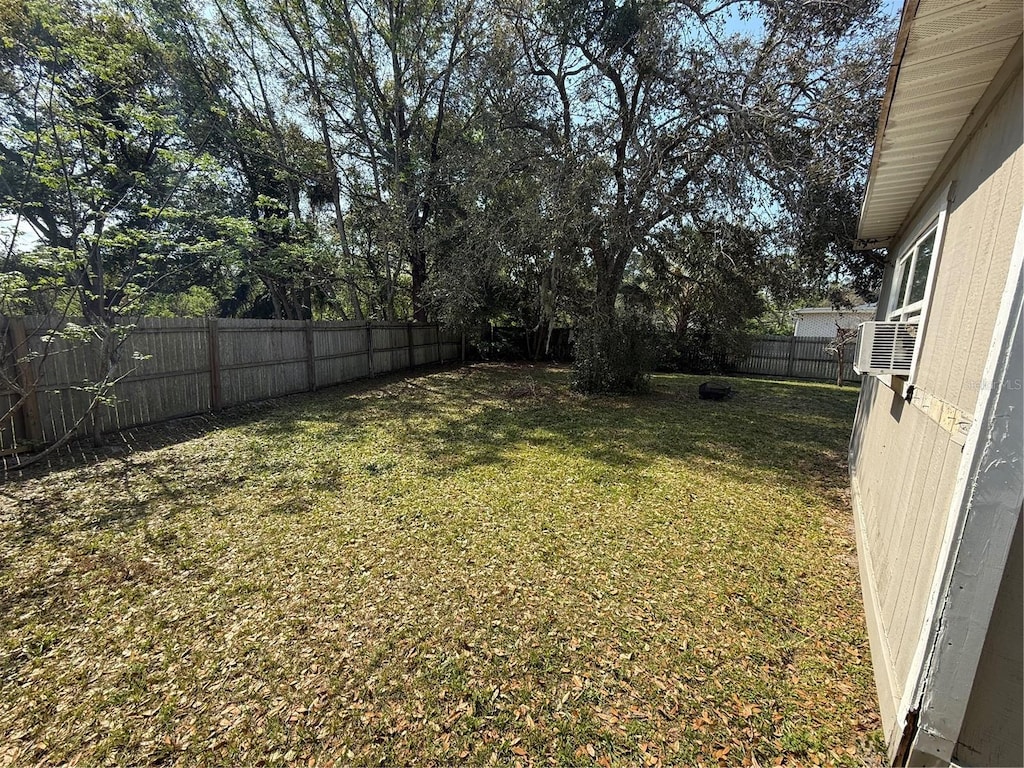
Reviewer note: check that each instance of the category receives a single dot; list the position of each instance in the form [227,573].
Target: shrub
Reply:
[702,351]
[614,356]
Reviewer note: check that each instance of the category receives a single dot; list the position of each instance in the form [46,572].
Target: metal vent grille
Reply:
[886,348]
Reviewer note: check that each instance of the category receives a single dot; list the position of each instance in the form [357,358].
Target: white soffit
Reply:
[953,49]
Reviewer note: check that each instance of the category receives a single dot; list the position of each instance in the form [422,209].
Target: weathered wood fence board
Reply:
[799,357]
[342,353]
[169,367]
[261,361]
[391,348]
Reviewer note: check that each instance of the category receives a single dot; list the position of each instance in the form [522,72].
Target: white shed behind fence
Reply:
[822,321]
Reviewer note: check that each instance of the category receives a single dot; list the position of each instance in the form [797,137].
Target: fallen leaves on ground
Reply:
[470,567]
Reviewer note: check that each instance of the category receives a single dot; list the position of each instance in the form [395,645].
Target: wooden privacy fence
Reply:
[180,367]
[797,357]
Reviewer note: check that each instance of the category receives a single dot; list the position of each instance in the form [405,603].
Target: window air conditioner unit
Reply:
[885,348]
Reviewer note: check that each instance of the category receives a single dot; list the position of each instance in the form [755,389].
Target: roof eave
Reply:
[920,134]
[902,35]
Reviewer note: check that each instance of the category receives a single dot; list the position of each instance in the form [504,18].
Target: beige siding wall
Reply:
[904,474]
[905,456]
[975,255]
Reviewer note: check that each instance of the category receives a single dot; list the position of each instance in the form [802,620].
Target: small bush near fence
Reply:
[795,357]
[620,362]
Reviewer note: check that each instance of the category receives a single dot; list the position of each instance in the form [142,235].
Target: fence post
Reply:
[369,349]
[437,342]
[213,345]
[412,356]
[792,353]
[310,357]
[27,381]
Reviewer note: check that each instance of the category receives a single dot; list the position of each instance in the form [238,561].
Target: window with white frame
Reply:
[910,279]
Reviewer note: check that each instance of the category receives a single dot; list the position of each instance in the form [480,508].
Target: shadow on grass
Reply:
[80,453]
[456,421]
[481,417]
[799,431]
[125,454]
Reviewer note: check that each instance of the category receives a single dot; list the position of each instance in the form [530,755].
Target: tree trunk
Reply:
[595,356]
[418,264]
[94,293]
[102,365]
[604,360]
[97,318]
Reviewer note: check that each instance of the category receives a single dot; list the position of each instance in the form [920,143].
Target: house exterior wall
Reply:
[824,323]
[975,255]
[992,733]
[909,465]
[905,456]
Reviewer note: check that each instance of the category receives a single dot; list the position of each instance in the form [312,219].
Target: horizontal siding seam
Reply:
[951,419]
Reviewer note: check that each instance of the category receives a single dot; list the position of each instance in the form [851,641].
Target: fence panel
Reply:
[424,345]
[166,364]
[800,357]
[171,367]
[450,344]
[341,352]
[390,347]
[260,359]
[62,369]
[10,428]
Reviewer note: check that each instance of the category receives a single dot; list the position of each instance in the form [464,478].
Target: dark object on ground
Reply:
[714,390]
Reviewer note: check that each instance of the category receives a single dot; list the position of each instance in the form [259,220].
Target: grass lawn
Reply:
[473,566]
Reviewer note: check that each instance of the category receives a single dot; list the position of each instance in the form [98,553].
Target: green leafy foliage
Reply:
[697,132]
[101,161]
[615,357]
[471,161]
[555,163]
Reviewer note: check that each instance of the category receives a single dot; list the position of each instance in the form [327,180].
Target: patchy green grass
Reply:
[468,567]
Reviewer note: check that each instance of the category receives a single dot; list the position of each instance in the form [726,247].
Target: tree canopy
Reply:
[606,164]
